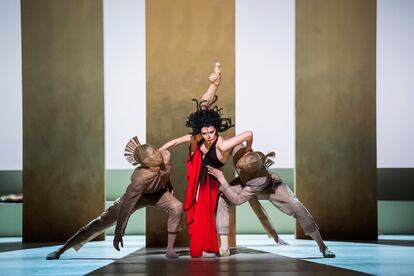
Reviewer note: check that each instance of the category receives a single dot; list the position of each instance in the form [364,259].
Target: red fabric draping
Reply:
[201,212]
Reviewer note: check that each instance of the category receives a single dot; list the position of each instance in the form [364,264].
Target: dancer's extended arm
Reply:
[230,143]
[235,197]
[263,217]
[127,204]
[177,141]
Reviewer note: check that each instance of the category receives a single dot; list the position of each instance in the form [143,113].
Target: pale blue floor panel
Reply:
[364,257]
[92,256]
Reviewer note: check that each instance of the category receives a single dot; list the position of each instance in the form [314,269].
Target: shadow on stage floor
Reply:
[243,261]
[409,243]
[11,246]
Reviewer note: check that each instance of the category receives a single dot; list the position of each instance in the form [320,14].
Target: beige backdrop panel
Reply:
[63,127]
[184,39]
[336,115]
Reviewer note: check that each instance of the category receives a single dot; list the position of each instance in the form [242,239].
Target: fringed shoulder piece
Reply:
[130,147]
[267,159]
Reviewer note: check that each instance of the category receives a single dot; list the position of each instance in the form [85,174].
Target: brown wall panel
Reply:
[63,112]
[184,39]
[336,115]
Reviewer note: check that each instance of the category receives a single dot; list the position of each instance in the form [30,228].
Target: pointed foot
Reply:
[328,254]
[224,252]
[208,255]
[55,255]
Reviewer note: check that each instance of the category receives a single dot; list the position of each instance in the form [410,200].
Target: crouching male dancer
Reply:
[150,186]
[255,180]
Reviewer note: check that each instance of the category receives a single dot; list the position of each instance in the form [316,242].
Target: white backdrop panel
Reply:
[11,127]
[264,79]
[265,75]
[395,84]
[124,56]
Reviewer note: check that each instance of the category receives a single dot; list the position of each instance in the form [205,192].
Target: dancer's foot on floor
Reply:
[208,254]
[55,255]
[224,252]
[171,254]
[328,254]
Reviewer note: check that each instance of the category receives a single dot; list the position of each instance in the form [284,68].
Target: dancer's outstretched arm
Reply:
[228,144]
[235,197]
[263,217]
[178,141]
[127,203]
[209,96]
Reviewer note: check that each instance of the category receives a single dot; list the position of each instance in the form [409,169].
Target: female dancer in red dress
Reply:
[206,148]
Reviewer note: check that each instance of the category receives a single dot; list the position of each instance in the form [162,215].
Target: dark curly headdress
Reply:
[205,117]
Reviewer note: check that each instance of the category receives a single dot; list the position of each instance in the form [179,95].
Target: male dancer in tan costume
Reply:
[150,186]
[255,180]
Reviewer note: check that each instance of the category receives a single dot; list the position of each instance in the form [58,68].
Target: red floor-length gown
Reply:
[201,212]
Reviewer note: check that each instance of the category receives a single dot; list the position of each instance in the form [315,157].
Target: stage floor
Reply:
[255,254]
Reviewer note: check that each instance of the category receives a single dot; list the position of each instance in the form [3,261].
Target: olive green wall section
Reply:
[394,217]
[393,184]
[63,117]
[183,41]
[116,182]
[336,116]
[11,215]
[11,182]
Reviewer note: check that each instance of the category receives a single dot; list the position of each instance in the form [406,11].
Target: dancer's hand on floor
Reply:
[117,241]
[279,241]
